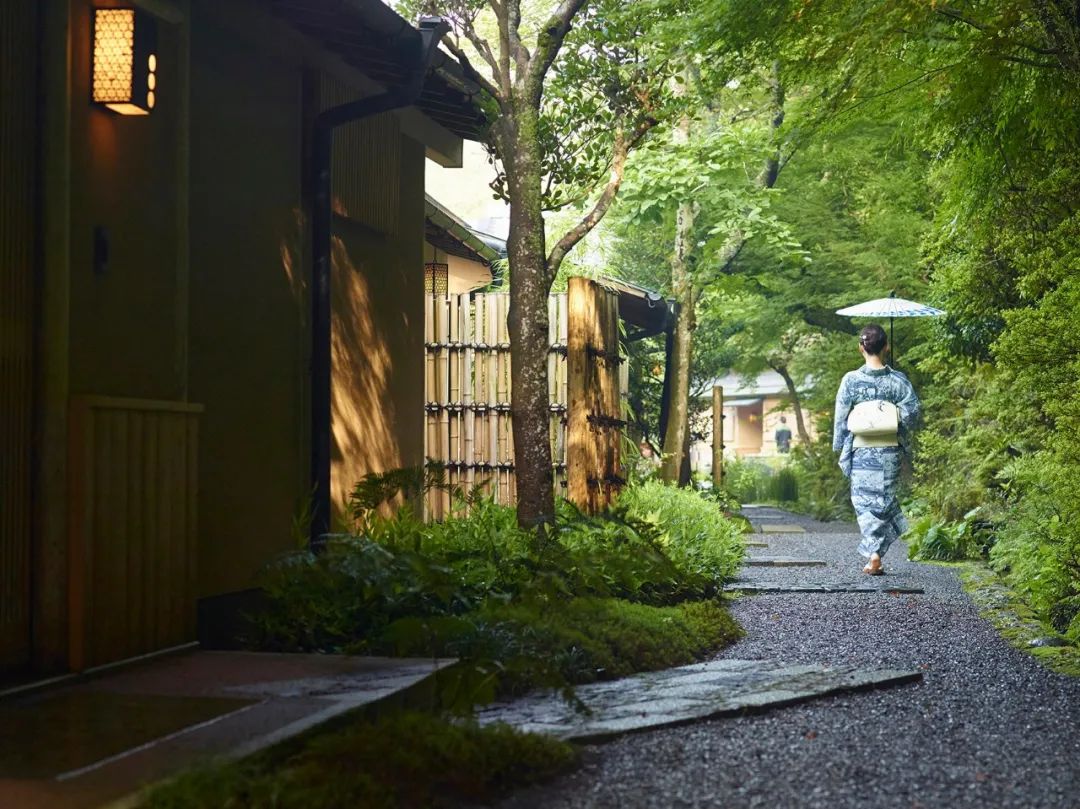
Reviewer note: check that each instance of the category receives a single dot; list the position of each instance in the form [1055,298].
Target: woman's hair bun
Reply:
[873,340]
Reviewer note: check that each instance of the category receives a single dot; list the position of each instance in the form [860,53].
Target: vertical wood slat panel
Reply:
[18,235]
[133,527]
[366,155]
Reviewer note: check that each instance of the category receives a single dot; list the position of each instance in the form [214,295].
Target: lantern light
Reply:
[125,60]
[436,278]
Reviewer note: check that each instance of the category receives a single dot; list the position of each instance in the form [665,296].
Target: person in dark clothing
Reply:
[783,437]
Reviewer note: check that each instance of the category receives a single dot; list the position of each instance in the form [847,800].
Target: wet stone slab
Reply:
[782,561]
[780,528]
[747,586]
[681,695]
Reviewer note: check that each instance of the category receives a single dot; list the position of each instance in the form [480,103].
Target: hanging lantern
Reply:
[436,278]
[125,60]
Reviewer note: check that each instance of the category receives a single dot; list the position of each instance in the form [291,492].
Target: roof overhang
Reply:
[372,38]
[450,234]
[643,309]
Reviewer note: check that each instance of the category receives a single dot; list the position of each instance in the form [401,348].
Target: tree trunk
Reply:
[796,404]
[677,429]
[678,422]
[528,321]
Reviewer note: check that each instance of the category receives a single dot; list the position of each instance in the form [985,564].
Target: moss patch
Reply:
[564,643]
[1015,619]
[408,759]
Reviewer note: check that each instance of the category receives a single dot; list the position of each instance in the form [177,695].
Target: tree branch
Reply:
[473,75]
[483,48]
[622,148]
[548,43]
[518,53]
[502,21]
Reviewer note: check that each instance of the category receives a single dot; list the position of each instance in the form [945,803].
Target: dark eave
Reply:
[647,312]
[374,39]
[445,231]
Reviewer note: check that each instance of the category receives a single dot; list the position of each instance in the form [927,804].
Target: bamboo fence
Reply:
[467,391]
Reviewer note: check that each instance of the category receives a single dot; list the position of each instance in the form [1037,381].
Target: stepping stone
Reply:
[782,561]
[682,695]
[832,587]
[756,544]
[781,528]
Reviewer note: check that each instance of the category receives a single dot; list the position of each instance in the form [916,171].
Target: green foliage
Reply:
[408,759]
[747,480]
[824,492]
[933,540]
[696,535]
[784,486]
[475,586]
[755,481]
[1038,548]
[577,641]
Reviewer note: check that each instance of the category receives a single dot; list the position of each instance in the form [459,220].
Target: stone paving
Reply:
[783,561]
[102,737]
[686,694]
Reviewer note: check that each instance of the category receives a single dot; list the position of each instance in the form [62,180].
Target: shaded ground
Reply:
[987,727]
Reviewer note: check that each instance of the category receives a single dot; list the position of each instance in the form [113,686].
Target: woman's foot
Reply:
[873,567]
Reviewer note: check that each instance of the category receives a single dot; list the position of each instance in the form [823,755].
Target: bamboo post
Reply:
[718,436]
[467,398]
[443,333]
[430,419]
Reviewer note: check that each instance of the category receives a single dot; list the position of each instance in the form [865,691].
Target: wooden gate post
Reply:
[579,461]
[718,436]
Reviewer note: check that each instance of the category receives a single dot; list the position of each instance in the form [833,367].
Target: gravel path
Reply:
[987,727]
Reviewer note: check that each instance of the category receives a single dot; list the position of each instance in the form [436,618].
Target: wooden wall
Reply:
[18,235]
[133,527]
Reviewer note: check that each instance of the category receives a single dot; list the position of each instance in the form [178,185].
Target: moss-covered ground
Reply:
[402,760]
[1015,619]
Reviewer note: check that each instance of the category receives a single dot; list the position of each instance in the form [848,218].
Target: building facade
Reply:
[155,279]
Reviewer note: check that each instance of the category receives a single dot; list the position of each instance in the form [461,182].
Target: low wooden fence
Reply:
[467,390]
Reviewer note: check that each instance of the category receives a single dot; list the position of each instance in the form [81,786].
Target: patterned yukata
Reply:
[875,471]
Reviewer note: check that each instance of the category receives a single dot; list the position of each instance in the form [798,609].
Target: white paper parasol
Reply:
[890,307]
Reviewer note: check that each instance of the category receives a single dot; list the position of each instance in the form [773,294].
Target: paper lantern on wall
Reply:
[125,65]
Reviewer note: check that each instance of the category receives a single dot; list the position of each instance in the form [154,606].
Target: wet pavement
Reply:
[99,739]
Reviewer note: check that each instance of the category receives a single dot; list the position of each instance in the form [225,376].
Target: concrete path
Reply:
[986,727]
[100,739]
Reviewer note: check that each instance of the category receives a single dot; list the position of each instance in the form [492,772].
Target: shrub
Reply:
[784,486]
[697,537]
[576,641]
[937,541]
[595,596]
[1038,547]
[747,480]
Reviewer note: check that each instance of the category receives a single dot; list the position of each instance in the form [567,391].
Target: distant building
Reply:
[457,258]
[752,412]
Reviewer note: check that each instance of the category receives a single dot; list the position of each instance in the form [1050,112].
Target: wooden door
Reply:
[18,217]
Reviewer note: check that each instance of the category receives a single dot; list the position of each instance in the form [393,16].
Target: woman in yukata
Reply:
[873,465]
